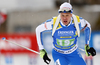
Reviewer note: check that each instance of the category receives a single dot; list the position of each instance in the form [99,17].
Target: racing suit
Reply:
[65,46]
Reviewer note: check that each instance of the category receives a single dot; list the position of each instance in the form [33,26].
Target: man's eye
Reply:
[63,15]
[67,15]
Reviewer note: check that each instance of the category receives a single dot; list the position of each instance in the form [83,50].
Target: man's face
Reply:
[65,18]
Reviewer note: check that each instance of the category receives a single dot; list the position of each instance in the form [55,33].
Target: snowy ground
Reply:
[24,59]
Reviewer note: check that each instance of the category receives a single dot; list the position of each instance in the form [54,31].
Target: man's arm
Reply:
[41,28]
[86,27]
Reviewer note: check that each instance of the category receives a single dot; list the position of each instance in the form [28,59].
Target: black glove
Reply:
[90,50]
[43,54]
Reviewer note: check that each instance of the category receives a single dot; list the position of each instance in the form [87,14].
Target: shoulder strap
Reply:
[55,24]
[76,20]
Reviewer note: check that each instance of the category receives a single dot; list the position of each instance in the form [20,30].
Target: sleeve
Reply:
[39,29]
[86,27]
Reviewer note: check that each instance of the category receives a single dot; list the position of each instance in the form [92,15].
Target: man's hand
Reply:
[43,54]
[90,51]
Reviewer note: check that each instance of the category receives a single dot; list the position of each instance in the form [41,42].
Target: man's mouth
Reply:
[65,21]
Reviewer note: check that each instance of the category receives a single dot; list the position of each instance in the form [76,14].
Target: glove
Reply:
[89,50]
[43,54]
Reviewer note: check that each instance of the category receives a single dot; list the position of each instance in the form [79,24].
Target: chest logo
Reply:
[64,33]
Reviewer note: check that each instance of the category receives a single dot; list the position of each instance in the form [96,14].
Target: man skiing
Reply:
[65,31]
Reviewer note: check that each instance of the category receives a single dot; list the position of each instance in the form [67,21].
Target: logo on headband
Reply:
[67,7]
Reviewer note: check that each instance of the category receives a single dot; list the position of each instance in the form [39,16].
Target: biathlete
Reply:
[65,33]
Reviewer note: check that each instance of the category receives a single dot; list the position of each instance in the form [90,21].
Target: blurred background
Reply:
[19,18]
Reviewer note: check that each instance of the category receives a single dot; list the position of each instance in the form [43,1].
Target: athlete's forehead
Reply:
[64,14]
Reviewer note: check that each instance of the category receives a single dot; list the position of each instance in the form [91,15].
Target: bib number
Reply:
[65,42]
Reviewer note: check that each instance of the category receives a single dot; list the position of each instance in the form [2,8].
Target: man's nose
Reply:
[65,18]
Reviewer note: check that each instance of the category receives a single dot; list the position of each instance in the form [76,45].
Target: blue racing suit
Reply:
[65,40]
